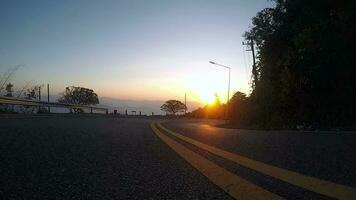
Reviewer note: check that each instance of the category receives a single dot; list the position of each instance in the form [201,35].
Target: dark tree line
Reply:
[305,71]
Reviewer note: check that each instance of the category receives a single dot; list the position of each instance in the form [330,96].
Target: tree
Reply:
[241,110]
[8,89]
[217,101]
[31,94]
[173,106]
[215,110]
[305,69]
[9,93]
[79,96]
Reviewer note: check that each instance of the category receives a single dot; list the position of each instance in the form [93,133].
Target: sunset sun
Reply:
[207,98]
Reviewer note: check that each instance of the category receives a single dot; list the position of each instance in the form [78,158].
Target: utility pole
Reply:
[228,90]
[252,46]
[39,93]
[228,98]
[49,108]
[39,97]
[185,103]
[254,69]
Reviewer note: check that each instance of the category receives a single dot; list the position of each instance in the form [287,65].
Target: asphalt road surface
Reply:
[122,158]
[93,158]
[328,156]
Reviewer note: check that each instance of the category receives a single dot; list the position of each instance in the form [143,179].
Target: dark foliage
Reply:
[173,106]
[31,93]
[306,69]
[9,91]
[79,96]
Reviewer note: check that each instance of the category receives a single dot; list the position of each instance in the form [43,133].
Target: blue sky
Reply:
[151,50]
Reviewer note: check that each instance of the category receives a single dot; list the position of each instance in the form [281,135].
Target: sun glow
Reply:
[203,83]
[207,98]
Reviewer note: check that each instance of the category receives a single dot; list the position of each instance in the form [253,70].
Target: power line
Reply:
[185,103]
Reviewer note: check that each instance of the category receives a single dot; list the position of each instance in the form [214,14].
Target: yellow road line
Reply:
[323,187]
[229,182]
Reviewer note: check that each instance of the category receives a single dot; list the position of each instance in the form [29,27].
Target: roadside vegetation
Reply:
[305,70]
[71,95]
[79,96]
[171,107]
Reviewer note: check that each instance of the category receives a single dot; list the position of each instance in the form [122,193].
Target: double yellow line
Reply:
[240,188]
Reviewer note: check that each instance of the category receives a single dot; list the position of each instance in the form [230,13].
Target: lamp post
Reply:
[228,88]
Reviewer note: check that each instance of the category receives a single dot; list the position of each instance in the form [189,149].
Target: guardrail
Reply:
[27,102]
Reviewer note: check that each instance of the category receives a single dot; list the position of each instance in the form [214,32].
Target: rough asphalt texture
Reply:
[276,186]
[93,158]
[330,156]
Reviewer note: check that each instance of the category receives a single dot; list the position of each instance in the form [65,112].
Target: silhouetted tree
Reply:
[217,101]
[305,72]
[4,108]
[8,88]
[173,106]
[242,111]
[79,96]
[215,110]
[306,68]
[31,94]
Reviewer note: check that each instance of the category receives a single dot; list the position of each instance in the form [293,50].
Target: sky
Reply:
[139,50]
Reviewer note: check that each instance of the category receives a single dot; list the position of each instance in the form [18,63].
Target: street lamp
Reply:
[228,88]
